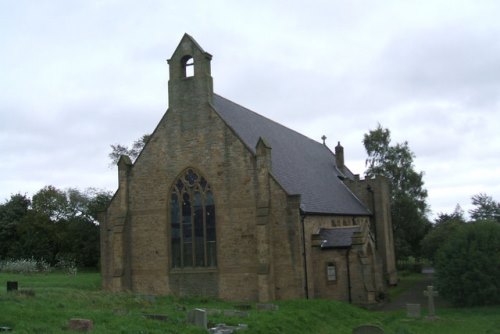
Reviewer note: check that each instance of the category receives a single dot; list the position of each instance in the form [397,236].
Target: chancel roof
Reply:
[300,164]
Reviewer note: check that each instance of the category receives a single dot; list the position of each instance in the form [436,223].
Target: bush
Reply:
[24,266]
[468,265]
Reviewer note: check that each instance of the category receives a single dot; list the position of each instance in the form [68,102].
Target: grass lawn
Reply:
[50,300]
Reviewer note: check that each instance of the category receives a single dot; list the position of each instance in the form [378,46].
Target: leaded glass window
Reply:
[192,222]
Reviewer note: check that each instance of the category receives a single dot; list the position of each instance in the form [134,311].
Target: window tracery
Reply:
[192,222]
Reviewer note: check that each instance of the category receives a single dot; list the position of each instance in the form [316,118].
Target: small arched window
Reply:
[192,222]
[188,66]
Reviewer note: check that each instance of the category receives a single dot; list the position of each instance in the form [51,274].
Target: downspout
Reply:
[302,219]
[370,190]
[349,287]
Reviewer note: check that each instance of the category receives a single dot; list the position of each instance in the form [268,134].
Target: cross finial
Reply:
[324,138]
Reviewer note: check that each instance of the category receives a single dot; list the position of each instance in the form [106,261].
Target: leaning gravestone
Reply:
[198,317]
[413,310]
[368,329]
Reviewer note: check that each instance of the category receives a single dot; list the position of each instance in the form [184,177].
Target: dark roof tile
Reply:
[300,164]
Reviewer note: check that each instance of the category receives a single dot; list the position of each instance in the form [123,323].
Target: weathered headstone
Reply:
[224,329]
[81,325]
[368,329]
[198,317]
[430,294]
[11,286]
[413,310]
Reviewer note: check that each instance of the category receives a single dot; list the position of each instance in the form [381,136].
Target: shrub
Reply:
[468,265]
[24,266]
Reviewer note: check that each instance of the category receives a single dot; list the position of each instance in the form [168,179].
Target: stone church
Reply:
[226,203]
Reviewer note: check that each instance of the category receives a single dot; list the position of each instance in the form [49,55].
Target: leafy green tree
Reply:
[408,195]
[444,226]
[51,202]
[55,225]
[486,208]
[12,212]
[468,265]
[37,237]
[118,150]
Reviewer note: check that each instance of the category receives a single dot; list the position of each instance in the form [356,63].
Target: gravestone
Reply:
[198,317]
[11,286]
[413,310]
[368,329]
[81,325]
[224,329]
[430,294]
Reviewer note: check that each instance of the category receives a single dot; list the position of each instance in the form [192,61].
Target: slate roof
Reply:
[300,164]
[339,237]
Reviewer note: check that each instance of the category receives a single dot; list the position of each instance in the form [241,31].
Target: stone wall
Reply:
[374,193]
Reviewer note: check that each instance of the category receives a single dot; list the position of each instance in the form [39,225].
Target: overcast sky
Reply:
[77,76]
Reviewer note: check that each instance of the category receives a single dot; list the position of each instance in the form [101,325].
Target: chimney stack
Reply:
[339,156]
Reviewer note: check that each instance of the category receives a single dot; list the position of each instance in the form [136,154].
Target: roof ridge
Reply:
[271,120]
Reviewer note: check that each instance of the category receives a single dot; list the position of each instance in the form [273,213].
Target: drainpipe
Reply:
[370,190]
[302,219]
[349,287]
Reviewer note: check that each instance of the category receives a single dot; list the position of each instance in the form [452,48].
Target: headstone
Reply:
[198,317]
[224,329]
[368,329]
[267,307]
[430,294]
[81,325]
[11,286]
[413,310]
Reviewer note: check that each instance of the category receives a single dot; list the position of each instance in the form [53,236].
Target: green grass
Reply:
[407,280]
[59,297]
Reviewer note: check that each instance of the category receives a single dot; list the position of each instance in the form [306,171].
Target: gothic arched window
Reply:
[192,222]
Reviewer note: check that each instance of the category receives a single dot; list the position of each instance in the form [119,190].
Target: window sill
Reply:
[193,270]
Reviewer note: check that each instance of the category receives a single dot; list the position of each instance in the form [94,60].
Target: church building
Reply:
[223,202]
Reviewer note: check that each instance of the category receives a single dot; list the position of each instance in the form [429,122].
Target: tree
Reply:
[485,208]
[51,202]
[12,212]
[468,265]
[408,195]
[54,225]
[119,150]
[444,226]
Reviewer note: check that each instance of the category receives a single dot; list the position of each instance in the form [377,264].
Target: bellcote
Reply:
[190,80]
